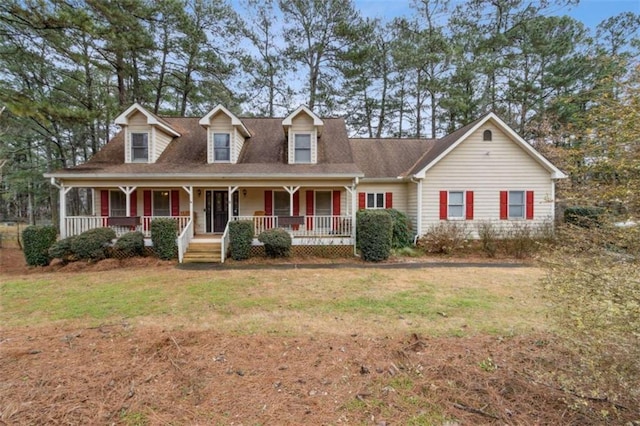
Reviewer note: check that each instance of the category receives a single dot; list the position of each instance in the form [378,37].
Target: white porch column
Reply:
[189,190]
[291,190]
[353,194]
[127,192]
[232,189]
[64,190]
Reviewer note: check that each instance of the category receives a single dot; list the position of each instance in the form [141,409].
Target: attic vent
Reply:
[487,136]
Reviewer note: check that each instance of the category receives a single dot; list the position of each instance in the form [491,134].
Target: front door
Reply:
[217,211]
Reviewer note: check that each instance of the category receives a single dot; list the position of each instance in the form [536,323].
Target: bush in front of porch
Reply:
[163,237]
[240,237]
[277,242]
[375,233]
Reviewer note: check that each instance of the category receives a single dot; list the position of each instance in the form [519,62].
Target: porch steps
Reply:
[203,252]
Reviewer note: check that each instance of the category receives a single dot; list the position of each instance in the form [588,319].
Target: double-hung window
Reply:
[139,147]
[455,206]
[516,205]
[161,203]
[281,203]
[375,200]
[222,147]
[117,204]
[302,148]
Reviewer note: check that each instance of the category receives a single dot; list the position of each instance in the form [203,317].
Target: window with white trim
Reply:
[455,205]
[375,200]
[281,203]
[516,204]
[117,204]
[302,147]
[221,147]
[323,203]
[161,203]
[140,147]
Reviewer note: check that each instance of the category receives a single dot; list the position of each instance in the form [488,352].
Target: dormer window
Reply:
[302,148]
[140,147]
[222,147]
[303,129]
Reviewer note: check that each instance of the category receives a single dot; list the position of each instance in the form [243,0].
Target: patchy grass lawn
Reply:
[433,301]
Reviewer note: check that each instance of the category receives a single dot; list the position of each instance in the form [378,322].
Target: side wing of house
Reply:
[488,177]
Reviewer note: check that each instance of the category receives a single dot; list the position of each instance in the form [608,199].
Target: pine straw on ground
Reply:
[120,374]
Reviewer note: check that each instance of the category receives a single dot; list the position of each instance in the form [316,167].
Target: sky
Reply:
[590,12]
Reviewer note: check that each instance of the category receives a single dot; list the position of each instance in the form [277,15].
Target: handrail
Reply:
[224,243]
[184,239]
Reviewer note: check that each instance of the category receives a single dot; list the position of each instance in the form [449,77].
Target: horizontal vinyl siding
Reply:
[399,191]
[412,205]
[488,167]
[161,142]
[237,141]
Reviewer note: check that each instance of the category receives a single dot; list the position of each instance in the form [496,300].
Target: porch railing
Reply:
[184,239]
[78,224]
[312,226]
[224,244]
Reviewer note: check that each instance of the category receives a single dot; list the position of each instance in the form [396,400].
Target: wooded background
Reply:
[69,67]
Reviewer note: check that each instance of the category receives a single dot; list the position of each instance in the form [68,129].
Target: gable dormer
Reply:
[225,135]
[145,134]
[302,128]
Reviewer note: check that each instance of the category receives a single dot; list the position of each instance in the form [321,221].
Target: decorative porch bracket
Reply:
[127,191]
[291,190]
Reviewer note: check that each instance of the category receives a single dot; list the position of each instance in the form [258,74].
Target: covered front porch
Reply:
[313,214]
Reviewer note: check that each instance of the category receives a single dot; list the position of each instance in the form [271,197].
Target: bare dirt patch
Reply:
[143,375]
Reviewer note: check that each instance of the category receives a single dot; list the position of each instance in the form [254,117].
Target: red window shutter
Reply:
[175,203]
[529,205]
[388,200]
[362,200]
[336,203]
[268,203]
[310,209]
[443,205]
[146,201]
[104,202]
[469,205]
[133,200]
[296,203]
[504,205]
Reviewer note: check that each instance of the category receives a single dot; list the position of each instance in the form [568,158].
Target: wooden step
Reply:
[203,253]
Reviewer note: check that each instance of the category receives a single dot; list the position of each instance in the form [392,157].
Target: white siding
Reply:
[488,167]
[302,123]
[412,205]
[399,191]
[237,140]
[161,141]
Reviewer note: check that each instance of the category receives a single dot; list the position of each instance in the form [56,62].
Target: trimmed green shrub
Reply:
[444,238]
[240,237]
[131,243]
[402,235]
[62,250]
[277,242]
[163,236]
[375,233]
[36,241]
[584,216]
[92,244]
